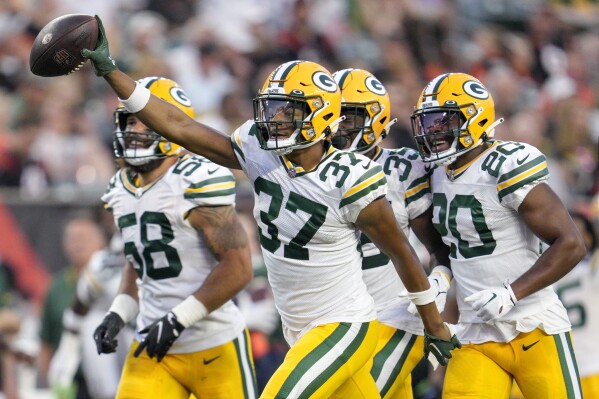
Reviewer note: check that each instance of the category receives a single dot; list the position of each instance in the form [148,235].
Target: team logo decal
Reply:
[476,90]
[375,86]
[180,96]
[324,82]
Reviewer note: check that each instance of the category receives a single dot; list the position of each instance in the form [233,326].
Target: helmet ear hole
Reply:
[483,122]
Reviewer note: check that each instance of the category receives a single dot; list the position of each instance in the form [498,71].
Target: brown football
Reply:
[57,48]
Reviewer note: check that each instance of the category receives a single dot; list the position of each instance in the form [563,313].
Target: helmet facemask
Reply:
[284,122]
[437,133]
[143,151]
[355,133]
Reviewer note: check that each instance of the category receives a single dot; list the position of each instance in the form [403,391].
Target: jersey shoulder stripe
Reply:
[212,187]
[403,164]
[368,182]
[236,143]
[247,129]
[200,178]
[417,189]
[530,171]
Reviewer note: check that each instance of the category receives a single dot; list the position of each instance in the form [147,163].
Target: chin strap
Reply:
[335,124]
[491,130]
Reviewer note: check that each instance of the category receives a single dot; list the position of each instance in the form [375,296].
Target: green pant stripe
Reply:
[340,361]
[311,358]
[564,353]
[568,338]
[248,358]
[243,371]
[398,366]
[381,357]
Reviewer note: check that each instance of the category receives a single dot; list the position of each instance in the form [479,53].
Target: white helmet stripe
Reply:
[433,87]
[341,75]
[147,82]
[280,74]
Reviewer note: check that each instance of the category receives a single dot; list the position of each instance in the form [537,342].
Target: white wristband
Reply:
[423,297]
[190,311]
[137,100]
[125,306]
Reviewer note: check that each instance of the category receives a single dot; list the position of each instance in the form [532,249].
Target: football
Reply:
[57,48]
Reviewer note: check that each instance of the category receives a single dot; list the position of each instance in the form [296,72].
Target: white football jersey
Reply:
[97,286]
[100,279]
[476,212]
[169,256]
[579,292]
[307,233]
[409,194]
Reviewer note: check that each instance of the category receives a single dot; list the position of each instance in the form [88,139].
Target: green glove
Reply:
[440,348]
[100,57]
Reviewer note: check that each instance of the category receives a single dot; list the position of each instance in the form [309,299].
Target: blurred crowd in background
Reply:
[540,59]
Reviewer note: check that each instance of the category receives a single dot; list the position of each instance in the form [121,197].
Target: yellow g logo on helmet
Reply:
[475,89]
[324,81]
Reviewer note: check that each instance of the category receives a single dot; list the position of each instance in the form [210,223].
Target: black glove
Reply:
[106,332]
[440,348]
[161,335]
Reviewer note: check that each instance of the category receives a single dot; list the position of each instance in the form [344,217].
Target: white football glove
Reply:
[440,278]
[65,362]
[491,305]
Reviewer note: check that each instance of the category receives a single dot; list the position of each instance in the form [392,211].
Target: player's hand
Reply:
[440,277]
[440,348]
[491,305]
[64,363]
[160,338]
[107,331]
[100,56]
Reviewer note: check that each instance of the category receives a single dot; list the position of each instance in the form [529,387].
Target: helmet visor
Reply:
[435,131]
[136,147]
[353,125]
[279,118]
